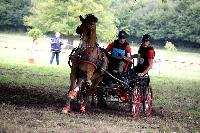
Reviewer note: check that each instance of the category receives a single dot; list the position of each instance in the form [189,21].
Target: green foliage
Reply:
[162,19]
[63,16]
[170,46]
[189,18]
[13,11]
[35,33]
[171,19]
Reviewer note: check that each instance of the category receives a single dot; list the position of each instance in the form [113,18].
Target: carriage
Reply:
[90,75]
[134,91]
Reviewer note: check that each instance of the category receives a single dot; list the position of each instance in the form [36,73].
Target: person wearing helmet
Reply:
[120,53]
[147,54]
[56,47]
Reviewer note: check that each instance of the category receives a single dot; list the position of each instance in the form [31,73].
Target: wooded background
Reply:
[171,20]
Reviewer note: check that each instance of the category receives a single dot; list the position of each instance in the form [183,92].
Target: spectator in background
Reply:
[56,47]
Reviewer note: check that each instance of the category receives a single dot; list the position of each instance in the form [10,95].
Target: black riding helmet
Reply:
[146,37]
[122,34]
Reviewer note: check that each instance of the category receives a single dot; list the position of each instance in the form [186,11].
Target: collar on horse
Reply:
[78,53]
[86,58]
[90,60]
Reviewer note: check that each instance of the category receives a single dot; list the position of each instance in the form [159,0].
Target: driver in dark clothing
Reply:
[120,53]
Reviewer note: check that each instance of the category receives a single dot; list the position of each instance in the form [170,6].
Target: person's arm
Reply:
[127,58]
[150,62]
[128,55]
[51,42]
[61,42]
[134,56]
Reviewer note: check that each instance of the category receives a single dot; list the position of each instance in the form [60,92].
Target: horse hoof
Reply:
[66,109]
[82,109]
[72,94]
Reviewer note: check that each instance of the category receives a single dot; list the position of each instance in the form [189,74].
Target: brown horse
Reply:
[86,61]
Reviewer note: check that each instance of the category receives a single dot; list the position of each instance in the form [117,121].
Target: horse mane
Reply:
[89,18]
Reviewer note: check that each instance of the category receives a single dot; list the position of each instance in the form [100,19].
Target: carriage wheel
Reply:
[135,104]
[148,101]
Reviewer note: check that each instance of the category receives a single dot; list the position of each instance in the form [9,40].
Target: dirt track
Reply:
[30,109]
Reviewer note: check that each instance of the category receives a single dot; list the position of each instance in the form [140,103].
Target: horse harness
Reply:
[81,56]
[89,33]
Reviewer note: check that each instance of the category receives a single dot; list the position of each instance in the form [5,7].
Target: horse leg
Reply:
[93,104]
[90,73]
[83,104]
[74,91]
[71,96]
[67,107]
[94,85]
[84,101]
[72,77]
[68,98]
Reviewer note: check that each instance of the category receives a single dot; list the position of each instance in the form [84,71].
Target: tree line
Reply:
[168,20]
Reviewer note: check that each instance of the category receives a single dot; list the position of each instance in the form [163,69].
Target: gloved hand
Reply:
[121,56]
[141,74]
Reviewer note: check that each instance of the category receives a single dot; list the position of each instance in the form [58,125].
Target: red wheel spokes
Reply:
[136,99]
[148,102]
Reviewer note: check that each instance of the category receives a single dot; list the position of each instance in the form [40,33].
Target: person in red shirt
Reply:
[147,55]
[120,53]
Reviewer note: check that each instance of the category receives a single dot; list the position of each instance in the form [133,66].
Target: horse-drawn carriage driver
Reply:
[120,53]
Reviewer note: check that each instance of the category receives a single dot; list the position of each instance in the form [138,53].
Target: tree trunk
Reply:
[70,42]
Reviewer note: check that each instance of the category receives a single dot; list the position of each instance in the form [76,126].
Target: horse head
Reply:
[87,31]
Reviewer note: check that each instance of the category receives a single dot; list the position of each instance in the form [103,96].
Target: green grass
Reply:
[52,77]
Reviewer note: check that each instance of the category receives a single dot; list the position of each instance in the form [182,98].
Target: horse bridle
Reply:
[90,32]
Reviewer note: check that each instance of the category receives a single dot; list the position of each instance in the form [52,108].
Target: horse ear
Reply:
[81,18]
[95,19]
[78,30]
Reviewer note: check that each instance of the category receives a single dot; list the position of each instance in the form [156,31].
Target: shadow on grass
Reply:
[31,97]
